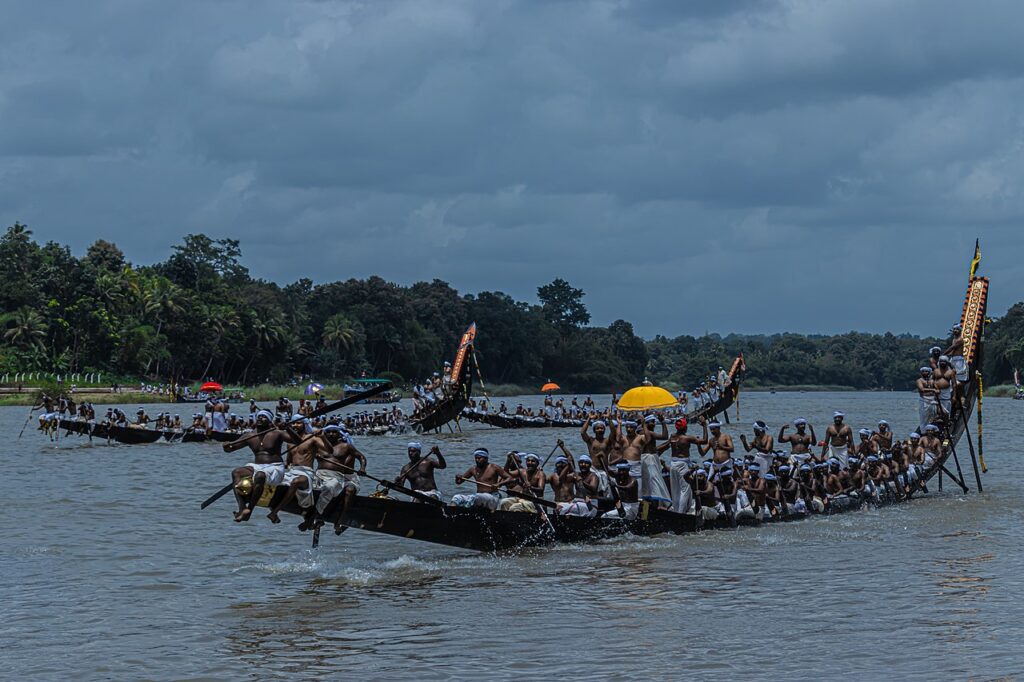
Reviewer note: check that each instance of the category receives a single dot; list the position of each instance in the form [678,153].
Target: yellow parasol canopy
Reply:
[646,397]
[550,386]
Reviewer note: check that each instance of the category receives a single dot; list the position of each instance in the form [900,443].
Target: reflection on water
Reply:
[123,577]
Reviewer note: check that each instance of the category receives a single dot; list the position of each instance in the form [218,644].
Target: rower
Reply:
[706,504]
[562,480]
[833,478]
[790,489]
[284,407]
[298,479]
[486,476]
[650,445]
[585,488]
[866,446]
[529,479]
[932,445]
[883,436]
[638,448]
[957,361]
[838,440]
[945,379]
[599,443]
[268,467]
[763,442]
[934,353]
[419,472]
[141,418]
[680,465]
[336,474]
[750,499]
[719,443]
[927,408]
[800,442]
[627,490]
[773,495]
[809,488]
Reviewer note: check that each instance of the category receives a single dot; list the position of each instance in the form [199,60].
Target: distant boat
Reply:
[363,385]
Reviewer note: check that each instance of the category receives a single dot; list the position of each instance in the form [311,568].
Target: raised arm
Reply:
[783,438]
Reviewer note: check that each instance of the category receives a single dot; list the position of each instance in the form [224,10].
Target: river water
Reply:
[111,571]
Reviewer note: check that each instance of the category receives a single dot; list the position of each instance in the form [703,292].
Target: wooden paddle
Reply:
[27,420]
[326,409]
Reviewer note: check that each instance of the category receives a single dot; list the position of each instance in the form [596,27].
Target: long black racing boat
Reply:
[456,394]
[136,435]
[502,531]
[730,393]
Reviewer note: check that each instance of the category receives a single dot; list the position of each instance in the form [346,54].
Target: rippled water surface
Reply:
[110,570]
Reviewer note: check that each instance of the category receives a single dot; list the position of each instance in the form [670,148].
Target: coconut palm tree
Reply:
[339,333]
[25,328]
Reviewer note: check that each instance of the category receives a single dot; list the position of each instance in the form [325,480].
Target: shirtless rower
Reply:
[866,447]
[600,444]
[298,478]
[763,443]
[527,478]
[928,404]
[486,476]
[838,439]
[883,436]
[800,442]
[561,480]
[419,472]
[267,467]
[337,475]
[955,353]
[720,444]
[650,445]
[627,490]
[585,488]
[679,444]
[944,377]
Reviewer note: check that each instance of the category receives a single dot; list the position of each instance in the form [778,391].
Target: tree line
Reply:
[200,314]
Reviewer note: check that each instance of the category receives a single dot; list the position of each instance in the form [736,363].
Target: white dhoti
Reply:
[304,496]
[946,400]
[817,504]
[274,472]
[635,470]
[331,484]
[927,409]
[652,483]
[840,452]
[682,493]
[959,363]
[709,513]
[516,504]
[629,511]
[436,494]
[576,508]
[743,508]
[219,421]
[477,500]
[798,507]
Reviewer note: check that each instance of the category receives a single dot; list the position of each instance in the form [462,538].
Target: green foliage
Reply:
[200,315]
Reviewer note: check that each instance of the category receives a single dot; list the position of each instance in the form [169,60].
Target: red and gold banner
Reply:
[972,321]
[460,356]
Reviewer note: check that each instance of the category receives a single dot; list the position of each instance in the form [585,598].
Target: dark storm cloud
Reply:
[750,166]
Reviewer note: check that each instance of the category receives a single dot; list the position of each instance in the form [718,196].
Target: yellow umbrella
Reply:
[646,397]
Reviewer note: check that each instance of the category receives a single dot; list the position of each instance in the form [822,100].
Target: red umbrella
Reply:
[211,386]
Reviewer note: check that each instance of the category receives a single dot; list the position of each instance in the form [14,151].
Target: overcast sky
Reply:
[693,166]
